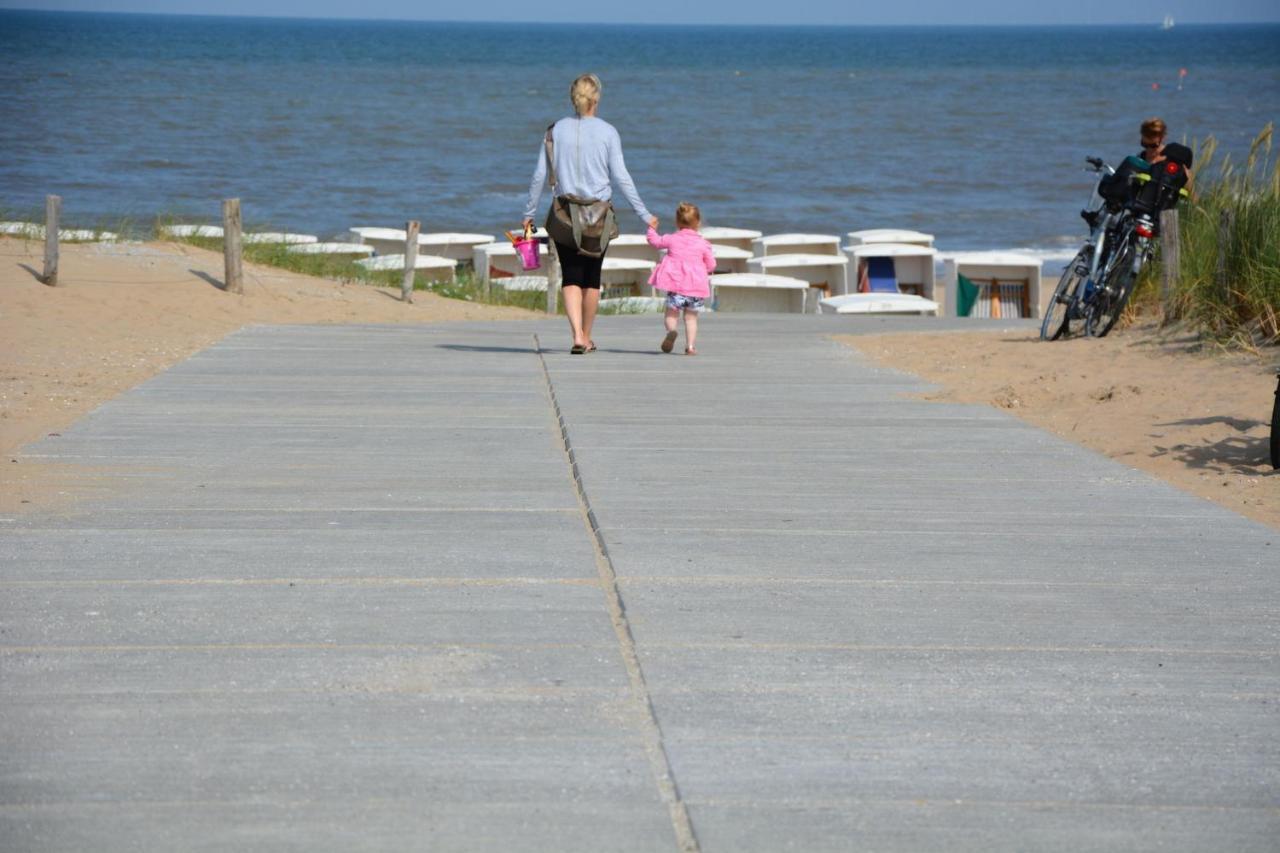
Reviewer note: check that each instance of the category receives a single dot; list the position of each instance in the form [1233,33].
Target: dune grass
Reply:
[1229,291]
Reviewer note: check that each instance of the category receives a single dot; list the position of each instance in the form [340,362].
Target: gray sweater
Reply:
[588,153]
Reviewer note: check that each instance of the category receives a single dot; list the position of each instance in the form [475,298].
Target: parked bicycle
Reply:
[1124,223]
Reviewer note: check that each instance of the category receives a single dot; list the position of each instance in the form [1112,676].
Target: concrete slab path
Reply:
[452,588]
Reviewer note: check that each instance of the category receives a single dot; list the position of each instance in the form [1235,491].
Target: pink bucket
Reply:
[528,252]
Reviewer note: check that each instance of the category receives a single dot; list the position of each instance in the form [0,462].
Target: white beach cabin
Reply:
[730,259]
[758,293]
[625,277]
[210,231]
[634,247]
[34,231]
[435,267]
[888,235]
[825,274]
[878,303]
[891,268]
[737,238]
[1008,284]
[445,244]
[351,250]
[796,244]
[278,237]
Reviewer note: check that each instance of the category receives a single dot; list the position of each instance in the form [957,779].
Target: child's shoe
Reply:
[669,342]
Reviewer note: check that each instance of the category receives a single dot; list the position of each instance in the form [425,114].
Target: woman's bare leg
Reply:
[590,305]
[573,310]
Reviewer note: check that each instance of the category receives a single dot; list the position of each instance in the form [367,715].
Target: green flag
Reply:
[966,295]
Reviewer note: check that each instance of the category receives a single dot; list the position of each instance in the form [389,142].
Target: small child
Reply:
[682,273]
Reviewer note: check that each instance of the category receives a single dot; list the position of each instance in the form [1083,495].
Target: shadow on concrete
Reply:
[35,273]
[470,348]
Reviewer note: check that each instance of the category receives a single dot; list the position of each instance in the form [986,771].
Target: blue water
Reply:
[974,134]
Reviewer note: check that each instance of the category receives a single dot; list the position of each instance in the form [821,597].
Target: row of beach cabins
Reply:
[878,271]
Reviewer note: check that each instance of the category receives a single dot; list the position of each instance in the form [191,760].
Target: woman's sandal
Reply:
[690,351]
[669,342]
[577,349]
[591,346]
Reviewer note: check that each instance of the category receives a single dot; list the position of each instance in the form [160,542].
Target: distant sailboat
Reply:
[1168,23]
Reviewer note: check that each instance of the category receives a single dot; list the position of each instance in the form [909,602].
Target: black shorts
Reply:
[578,269]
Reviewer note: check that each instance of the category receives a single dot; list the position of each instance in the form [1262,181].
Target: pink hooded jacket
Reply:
[688,262]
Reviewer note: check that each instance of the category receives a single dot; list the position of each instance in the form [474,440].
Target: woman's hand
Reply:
[527,224]
[653,222]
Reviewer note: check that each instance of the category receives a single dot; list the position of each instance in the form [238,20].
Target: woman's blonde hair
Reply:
[584,92]
[1153,128]
[688,215]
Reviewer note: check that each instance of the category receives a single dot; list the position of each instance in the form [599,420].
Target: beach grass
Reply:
[1228,290]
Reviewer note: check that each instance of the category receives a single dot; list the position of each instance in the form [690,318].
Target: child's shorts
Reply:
[679,301]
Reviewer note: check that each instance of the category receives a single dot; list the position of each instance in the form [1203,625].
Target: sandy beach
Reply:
[1195,417]
[124,312]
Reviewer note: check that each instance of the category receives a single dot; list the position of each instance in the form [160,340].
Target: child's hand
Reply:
[653,223]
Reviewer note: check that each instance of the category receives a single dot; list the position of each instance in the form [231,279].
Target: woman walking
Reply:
[588,162]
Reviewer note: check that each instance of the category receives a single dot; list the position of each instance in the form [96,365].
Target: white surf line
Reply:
[654,747]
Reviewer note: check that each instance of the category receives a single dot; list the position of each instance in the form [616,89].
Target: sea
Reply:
[975,134]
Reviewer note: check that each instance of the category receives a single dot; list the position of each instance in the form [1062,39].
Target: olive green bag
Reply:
[585,223]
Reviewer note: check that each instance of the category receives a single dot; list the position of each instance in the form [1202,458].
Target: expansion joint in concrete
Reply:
[655,749]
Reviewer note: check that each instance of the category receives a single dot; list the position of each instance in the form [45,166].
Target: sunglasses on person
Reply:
[1146,144]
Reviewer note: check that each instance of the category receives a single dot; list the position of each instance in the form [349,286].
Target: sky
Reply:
[808,12]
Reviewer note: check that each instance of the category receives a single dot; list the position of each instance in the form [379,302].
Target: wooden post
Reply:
[52,215]
[1170,256]
[233,280]
[553,277]
[411,229]
[1224,245]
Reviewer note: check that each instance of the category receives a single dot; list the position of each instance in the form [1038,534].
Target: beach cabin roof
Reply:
[396,262]
[279,237]
[890,250]
[192,230]
[877,303]
[730,253]
[816,239]
[626,265]
[889,235]
[800,260]
[713,233]
[993,258]
[332,249]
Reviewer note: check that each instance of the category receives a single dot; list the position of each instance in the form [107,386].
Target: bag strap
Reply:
[551,160]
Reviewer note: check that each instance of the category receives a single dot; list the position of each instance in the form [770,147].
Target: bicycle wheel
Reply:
[1104,310]
[1057,316]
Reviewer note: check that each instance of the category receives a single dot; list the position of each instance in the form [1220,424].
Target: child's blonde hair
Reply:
[688,215]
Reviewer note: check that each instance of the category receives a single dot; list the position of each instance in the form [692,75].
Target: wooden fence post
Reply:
[52,215]
[1170,256]
[553,277]
[1224,245]
[233,279]
[411,229]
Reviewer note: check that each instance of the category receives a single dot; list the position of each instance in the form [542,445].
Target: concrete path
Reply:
[375,588]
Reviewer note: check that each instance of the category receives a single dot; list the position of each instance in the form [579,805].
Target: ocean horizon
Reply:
[974,134]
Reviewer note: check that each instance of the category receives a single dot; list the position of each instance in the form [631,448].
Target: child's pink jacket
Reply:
[688,262]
